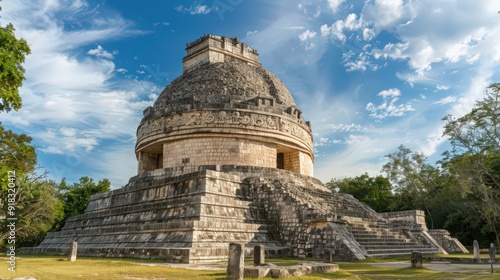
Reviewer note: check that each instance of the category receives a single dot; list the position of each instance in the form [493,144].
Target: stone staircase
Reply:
[381,238]
[315,204]
[191,217]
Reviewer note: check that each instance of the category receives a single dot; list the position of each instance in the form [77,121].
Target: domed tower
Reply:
[225,109]
[210,152]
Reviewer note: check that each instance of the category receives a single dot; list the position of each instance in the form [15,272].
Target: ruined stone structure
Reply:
[225,156]
[224,110]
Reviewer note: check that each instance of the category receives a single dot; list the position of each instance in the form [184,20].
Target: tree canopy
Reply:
[76,196]
[12,54]
[462,192]
[372,191]
[474,161]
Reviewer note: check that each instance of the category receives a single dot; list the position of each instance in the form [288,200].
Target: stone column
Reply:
[493,252]
[259,255]
[493,255]
[328,255]
[416,259]
[475,246]
[235,262]
[72,251]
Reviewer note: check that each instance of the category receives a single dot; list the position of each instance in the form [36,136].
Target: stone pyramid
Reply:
[224,155]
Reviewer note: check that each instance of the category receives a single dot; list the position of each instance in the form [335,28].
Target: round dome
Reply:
[225,109]
[229,84]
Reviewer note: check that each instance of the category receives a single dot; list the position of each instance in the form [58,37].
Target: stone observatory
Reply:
[225,156]
[225,109]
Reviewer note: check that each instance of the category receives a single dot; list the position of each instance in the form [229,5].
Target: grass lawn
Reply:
[54,267]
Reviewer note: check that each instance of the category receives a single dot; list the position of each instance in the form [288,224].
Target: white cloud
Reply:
[250,33]
[69,102]
[446,100]
[323,141]
[357,138]
[347,127]
[361,63]
[196,9]
[296,27]
[425,35]
[393,92]
[334,4]
[100,52]
[325,30]
[440,87]
[164,23]
[307,35]
[336,30]
[389,108]
[387,14]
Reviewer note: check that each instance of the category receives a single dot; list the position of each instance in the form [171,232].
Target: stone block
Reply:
[475,246]
[259,255]
[416,259]
[73,247]
[256,272]
[328,255]
[324,268]
[279,272]
[236,262]
[493,252]
[298,270]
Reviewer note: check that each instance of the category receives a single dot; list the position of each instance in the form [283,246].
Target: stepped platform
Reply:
[189,215]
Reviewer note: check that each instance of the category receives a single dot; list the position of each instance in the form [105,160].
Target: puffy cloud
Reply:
[100,52]
[336,30]
[389,108]
[347,127]
[69,102]
[250,33]
[387,14]
[423,28]
[307,35]
[334,4]
[440,87]
[360,64]
[393,92]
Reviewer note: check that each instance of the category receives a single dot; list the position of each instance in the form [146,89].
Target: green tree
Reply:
[415,181]
[375,192]
[475,158]
[12,54]
[16,154]
[76,196]
[37,206]
[37,209]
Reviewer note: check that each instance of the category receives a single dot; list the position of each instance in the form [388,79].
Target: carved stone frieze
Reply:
[224,117]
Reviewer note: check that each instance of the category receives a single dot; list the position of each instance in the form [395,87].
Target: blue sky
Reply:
[369,75]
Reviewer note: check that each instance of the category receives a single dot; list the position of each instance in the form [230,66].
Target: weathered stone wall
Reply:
[450,244]
[224,93]
[412,216]
[213,49]
[306,164]
[223,151]
[190,214]
[149,161]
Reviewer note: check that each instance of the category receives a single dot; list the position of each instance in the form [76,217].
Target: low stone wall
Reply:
[450,244]
[412,216]
[289,271]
